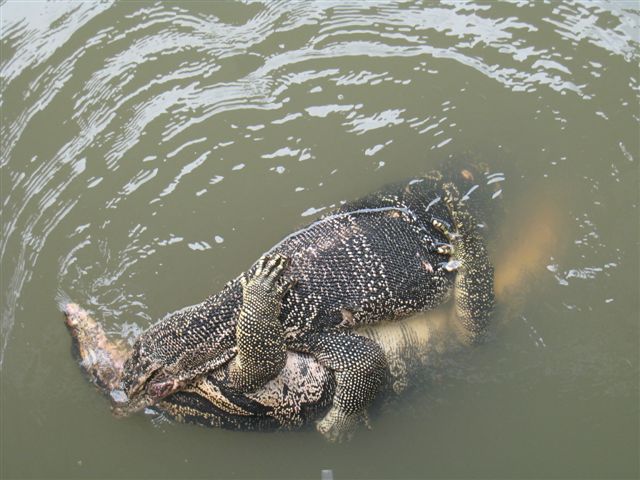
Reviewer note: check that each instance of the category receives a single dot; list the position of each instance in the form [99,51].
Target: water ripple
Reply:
[115,107]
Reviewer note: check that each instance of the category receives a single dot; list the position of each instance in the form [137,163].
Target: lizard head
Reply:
[168,356]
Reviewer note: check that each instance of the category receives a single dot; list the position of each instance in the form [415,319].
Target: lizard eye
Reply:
[160,389]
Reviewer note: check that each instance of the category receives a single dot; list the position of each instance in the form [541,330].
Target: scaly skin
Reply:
[374,259]
[300,393]
[259,333]
[473,288]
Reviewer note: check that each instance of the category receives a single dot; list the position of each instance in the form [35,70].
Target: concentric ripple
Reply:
[139,139]
[150,151]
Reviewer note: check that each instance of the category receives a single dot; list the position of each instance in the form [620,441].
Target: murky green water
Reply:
[151,151]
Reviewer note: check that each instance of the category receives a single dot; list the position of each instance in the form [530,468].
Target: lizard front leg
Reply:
[259,333]
[473,286]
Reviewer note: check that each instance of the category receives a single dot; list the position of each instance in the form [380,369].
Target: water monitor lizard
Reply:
[301,392]
[403,250]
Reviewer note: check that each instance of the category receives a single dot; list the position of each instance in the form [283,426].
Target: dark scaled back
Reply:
[371,259]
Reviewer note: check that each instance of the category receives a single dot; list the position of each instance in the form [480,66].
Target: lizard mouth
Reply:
[102,360]
[161,385]
[123,406]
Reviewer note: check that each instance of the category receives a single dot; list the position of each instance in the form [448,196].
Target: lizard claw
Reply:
[285,284]
[268,274]
[445,229]
[450,266]
[271,266]
[443,249]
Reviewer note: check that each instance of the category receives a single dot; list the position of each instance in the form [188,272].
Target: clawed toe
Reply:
[443,227]
[338,427]
[451,195]
[285,284]
[450,266]
[270,267]
[443,249]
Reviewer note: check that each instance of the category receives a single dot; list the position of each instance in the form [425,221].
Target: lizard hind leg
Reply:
[360,368]
[473,287]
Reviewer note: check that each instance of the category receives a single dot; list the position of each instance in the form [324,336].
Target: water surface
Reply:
[152,151]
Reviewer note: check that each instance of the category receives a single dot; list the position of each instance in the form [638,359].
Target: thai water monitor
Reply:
[403,250]
[303,389]
[301,393]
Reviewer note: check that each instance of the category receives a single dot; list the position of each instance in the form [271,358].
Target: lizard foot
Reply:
[268,274]
[473,291]
[338,426]
[455,242]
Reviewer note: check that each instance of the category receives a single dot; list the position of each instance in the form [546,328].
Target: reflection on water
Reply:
[151,151]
